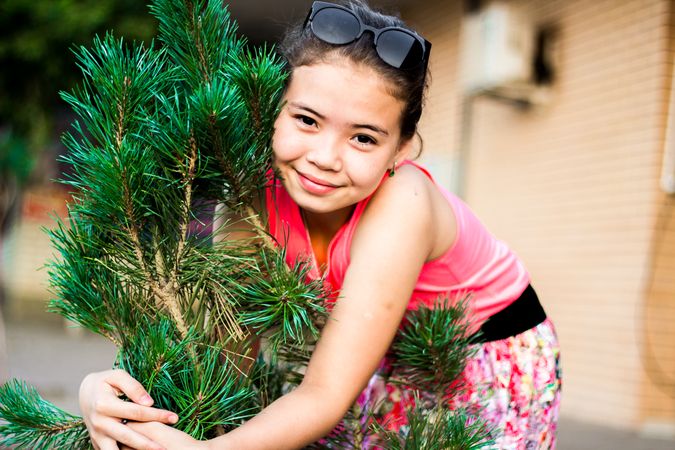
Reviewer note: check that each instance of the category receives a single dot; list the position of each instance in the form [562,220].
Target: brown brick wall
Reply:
[573,185]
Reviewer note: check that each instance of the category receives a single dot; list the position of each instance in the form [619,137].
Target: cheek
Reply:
[365,169]
[284,143]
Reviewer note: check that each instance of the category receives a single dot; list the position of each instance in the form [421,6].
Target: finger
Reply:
[127,437]
[130,387]
[106,444]
[110,433]
[134,412]
[152,430]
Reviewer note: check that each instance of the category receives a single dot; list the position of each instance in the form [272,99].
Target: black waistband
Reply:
[521,315]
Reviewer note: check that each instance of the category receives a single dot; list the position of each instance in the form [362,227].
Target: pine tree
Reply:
[165,133]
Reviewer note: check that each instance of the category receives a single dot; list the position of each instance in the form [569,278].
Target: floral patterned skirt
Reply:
[514,385]
[516,382]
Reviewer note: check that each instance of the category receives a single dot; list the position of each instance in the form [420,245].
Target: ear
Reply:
[404,150]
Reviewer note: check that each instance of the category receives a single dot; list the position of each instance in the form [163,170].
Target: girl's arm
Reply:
[394,238]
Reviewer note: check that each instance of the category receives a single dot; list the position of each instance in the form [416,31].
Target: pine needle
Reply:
[30,422]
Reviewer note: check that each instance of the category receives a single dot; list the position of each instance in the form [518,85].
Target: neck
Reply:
[321,229]
[326,224]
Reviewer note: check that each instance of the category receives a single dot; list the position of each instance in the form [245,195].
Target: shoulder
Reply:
[402,206]
[411,205]
[409,191]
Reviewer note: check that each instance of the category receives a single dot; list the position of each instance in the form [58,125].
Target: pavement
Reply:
[54,357]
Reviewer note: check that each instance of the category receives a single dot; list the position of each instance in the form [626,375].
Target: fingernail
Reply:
[146,400]
[173,418]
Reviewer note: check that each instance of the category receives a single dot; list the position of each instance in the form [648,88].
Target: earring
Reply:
[392,171]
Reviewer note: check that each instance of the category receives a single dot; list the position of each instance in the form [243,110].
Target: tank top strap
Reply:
[408,162]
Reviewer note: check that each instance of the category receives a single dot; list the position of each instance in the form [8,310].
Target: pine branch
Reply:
[269,379]
[356,431]
[229,76]
[30,422]
[439,429]
[432,348]
[205,396]
[211,271]
[281,303]
[189,177]
[110,109]
[198,35]
[163,294]
[254,219]
[71,277]
[260,78]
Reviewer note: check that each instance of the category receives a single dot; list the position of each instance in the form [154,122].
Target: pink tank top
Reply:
[477,263]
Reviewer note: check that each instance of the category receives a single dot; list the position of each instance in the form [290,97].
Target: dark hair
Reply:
[301,48]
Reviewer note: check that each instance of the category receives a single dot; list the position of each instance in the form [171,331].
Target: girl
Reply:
[386,237]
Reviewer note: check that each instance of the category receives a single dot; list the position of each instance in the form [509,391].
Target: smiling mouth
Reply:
[318,181]
[315,185]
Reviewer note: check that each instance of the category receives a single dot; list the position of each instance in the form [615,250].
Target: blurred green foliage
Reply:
[13,155]
[36,39]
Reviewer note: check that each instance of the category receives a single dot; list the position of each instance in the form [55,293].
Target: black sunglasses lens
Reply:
[335,26]
[400,49]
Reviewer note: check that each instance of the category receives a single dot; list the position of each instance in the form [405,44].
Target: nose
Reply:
[326,154]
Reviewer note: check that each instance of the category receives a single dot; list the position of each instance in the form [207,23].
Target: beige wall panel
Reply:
[577,177]
[571,185]
[658,314]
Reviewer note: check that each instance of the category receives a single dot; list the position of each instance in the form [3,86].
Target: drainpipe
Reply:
[668,166]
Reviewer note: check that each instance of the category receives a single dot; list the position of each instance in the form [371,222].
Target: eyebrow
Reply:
[354,125]
[307,108]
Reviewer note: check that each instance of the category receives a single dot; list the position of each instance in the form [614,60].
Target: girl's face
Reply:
[336,136]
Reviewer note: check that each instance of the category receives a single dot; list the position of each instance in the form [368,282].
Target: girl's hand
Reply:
[168,437]
[105,414]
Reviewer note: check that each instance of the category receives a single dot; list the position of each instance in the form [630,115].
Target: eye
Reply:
[305,120]
[364,139]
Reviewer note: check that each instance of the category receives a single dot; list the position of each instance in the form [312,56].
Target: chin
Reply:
[321,206]
[313,205]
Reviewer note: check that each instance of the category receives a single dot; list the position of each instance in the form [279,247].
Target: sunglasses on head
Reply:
[398,47]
